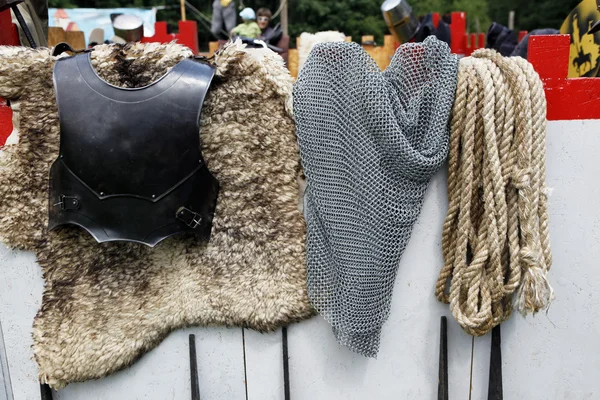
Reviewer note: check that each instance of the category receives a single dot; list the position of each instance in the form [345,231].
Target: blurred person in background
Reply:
[223,14]
[269,34]
[248,28]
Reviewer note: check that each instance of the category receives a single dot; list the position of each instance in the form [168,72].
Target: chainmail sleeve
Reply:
[370,141]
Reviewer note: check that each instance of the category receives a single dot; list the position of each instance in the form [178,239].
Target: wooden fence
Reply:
[381,54]
[58,35]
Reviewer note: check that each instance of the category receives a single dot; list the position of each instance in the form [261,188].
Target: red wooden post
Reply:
[522,34]
[435,18]
[458,29]
[481,40]
[473,42]
[9,35]
[574,98]
[160,34]
[6,126]
[187,36]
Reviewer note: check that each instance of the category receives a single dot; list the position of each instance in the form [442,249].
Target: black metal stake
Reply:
[286,366]
[23,25]
[194,369]
[495,382]
[443,373]
[45,391]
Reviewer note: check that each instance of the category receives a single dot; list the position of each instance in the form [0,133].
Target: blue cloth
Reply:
[501,39]
[248,14]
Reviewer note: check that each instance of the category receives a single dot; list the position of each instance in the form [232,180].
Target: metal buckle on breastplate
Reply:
[68,202]
[189,217]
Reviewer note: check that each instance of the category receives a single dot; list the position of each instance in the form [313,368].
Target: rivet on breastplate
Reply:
[153,196]
[101,193]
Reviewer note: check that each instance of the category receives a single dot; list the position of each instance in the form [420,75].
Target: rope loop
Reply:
[495,239]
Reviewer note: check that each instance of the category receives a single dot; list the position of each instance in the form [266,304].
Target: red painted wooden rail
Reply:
[459,40]
[458,29]
[521,35]
[5,121]
[568,98]
[187,36]
[462,43]
[8,31]
[9,35]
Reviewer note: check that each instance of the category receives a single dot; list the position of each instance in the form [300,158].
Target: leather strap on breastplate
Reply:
[130,165]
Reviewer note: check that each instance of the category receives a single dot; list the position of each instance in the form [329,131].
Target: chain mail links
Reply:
[503,205]
[370,141]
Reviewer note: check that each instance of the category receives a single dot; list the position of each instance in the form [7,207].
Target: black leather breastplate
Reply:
[130,166]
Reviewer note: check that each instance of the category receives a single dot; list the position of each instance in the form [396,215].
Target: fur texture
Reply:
[309,40]
[104,305]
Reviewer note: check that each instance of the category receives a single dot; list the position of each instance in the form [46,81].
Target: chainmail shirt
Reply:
[370,141]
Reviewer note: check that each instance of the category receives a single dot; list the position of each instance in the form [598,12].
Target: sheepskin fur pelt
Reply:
[104,305]
[309,40]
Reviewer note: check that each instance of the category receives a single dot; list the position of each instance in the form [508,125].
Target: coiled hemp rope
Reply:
[495,237]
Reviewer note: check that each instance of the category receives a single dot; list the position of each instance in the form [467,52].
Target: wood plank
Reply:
[574,98]
[76,39]
[264,366]
[408,360]
[6,126]
[5,384]
[164,373]
[22,285]
[545,357]
[390,45]
[213,47]
[9,34]
[554,355]
[293,62]
[56,35]
[160,374]
[368,38]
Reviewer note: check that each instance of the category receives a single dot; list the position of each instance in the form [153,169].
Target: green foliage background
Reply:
[358,17]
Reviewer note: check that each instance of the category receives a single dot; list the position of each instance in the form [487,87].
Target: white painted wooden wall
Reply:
[550,356]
